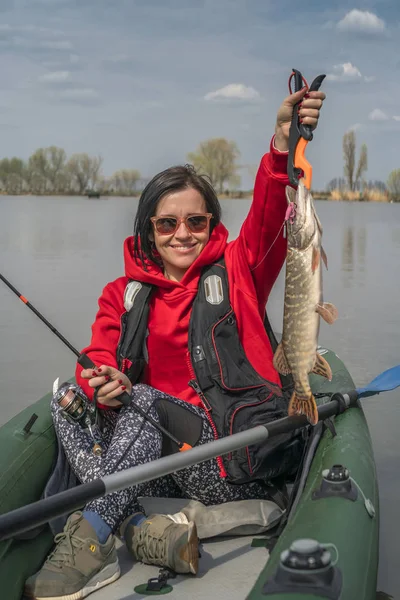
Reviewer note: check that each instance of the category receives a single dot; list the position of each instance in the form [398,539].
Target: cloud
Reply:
[348,72]
[396,118]
[355,127]
[377,115]
[233,91]
[55,77]
[55,45]
[119,62]
[361,21]
[79,95]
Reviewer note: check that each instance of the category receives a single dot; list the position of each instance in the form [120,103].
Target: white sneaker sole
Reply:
[107,575]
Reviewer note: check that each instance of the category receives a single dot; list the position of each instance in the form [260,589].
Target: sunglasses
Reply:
[169,225]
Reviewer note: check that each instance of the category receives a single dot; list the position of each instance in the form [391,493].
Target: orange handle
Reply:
[184,447]
[300,162]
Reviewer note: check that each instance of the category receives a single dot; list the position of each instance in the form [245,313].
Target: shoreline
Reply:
[333,196]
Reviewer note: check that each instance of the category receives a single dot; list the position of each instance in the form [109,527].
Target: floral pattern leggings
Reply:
[129,440]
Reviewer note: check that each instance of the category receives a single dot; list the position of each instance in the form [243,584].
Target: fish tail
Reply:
[304,405]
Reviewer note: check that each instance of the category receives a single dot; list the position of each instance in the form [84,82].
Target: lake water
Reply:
[60,252]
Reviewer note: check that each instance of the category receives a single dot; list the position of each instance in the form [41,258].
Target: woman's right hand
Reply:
[110,383]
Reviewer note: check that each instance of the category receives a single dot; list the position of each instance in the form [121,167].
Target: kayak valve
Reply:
[336,481]
[306,568]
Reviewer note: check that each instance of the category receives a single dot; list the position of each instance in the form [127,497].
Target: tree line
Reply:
[50,171]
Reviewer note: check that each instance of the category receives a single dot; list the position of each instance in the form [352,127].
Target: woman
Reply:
[178,236]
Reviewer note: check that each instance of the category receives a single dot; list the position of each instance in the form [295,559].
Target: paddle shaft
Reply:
[87,363]
[32,515]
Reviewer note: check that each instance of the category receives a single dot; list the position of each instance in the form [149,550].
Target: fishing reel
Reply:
[75,407]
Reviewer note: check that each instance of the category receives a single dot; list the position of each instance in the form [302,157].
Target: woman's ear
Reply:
[151,236]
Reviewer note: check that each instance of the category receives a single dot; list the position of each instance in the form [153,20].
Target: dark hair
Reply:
[171,180]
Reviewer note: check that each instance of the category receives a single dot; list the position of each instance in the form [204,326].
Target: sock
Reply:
[137,519]
[101,528]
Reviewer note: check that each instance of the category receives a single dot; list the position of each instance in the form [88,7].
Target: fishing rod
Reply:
[87,363]
[38,513]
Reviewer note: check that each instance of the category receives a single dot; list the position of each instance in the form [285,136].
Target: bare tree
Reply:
[393,184]
[13,175]
[57,160]
[352,175]
[217,159]
[362,163]
[125,181]
[83,171]
[38,172]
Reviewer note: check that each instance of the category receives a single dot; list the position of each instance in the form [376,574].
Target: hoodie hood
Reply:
[214,249]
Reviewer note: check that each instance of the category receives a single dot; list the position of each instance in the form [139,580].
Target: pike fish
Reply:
[303,303]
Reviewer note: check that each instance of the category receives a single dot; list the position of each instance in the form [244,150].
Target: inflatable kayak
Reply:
[327,546]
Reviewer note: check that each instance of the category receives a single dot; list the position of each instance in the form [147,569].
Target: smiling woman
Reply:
[183,333]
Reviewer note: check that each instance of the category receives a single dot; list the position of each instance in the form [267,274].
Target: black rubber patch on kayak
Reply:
[143,589]
[30,423]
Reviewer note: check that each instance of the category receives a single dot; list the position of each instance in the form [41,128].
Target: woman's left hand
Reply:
[311,103]
[110,383]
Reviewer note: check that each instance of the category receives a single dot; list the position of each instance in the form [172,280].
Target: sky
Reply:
[143,82]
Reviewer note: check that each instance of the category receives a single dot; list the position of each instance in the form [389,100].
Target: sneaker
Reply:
[77,566]
[165,540]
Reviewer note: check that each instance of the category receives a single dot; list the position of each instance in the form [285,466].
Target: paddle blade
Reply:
[386,381]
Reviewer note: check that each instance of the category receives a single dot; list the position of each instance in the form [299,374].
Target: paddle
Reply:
[40,512]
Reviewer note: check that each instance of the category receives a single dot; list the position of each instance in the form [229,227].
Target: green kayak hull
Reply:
[26,461]
[336,520]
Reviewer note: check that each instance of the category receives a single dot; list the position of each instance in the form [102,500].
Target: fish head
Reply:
[303,225]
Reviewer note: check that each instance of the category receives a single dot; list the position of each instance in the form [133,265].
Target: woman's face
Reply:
[181,248]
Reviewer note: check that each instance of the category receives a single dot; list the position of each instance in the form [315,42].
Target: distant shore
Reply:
[337,195]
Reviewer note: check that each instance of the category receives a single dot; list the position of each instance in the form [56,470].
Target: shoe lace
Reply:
[66,545]
[149,546]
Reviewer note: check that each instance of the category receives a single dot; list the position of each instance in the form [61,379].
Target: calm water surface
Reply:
[60,252]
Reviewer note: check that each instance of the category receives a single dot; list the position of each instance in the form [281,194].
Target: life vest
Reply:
[234,396]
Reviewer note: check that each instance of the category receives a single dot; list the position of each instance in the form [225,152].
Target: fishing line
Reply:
[269,249]
[290,214]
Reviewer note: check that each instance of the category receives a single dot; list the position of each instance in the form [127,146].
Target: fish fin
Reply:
[303,406]
[322,367]
[328,312]
[316,255]
[280,362]
[324,257]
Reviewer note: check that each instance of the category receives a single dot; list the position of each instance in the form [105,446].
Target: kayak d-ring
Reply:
[157,585]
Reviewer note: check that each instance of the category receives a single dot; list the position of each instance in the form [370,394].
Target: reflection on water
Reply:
[396,237]
[353,256]
[361,247]
[348,249]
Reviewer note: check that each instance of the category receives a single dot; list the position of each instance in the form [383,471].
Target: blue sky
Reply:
[143,82]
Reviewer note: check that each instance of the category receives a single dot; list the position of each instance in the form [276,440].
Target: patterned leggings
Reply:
[128,440]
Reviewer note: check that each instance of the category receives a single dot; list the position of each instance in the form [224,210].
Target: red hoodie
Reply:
[250,281]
